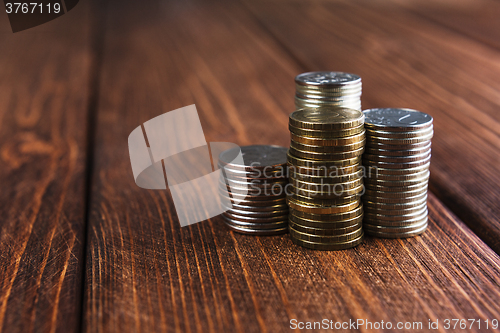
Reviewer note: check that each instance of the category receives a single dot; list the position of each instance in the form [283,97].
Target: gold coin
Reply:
[354,221]
[302,162]
[324,202]
[334,193]
[348,140]
[323,209]
[327,246]
[326,156]
[335,217]
[324,239]
[325,231]
[323,171]
[326,118]
[329,180]
[327,149]
[328,134]
[326,187]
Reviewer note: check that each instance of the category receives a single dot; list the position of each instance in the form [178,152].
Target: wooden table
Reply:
[82,248]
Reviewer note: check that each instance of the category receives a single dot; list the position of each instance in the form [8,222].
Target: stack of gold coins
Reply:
[324,170]
[252,189]
[335,89]
[397,158]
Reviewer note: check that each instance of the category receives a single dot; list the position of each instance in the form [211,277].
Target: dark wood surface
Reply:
[44,92]
[236,61]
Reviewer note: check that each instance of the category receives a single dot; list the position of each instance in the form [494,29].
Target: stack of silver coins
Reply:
[324,170]
[397,158]
[252,189]
[332,89]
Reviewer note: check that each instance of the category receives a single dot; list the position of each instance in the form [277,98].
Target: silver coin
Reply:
[396,159]
[258,213]
[327,79]
[395,119]
[399,153]
[256,156]
[396,234]
[396,221]
[256,225]
[395,229]
[245,218]
[258,232]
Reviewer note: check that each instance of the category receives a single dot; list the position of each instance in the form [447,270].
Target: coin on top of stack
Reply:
[324,170]
[397,159]
[334,89]
[252,189]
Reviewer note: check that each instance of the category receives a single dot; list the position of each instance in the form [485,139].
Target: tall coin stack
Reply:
[324,170]
[334,89]
[252,189]
[397,159]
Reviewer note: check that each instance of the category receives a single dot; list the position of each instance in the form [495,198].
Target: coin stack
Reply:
[397,158]
[252,189]
[324,170]
[334,89]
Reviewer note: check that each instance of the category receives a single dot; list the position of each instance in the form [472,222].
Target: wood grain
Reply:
[44,80]
[406,61]
[145,273]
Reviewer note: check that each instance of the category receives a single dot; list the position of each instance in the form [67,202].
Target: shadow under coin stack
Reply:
[397,159]
[333,89]
[324,169]
[252,190]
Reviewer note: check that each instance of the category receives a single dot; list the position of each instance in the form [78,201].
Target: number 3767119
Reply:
[32,8]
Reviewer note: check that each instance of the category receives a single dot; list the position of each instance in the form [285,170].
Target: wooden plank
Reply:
[405,61]
[145,273]
[44,79]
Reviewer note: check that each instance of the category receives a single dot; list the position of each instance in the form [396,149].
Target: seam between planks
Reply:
[98,24]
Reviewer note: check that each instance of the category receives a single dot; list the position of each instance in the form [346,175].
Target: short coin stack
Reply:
[337,89]
[324,170]
[252,190]
[397,158]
